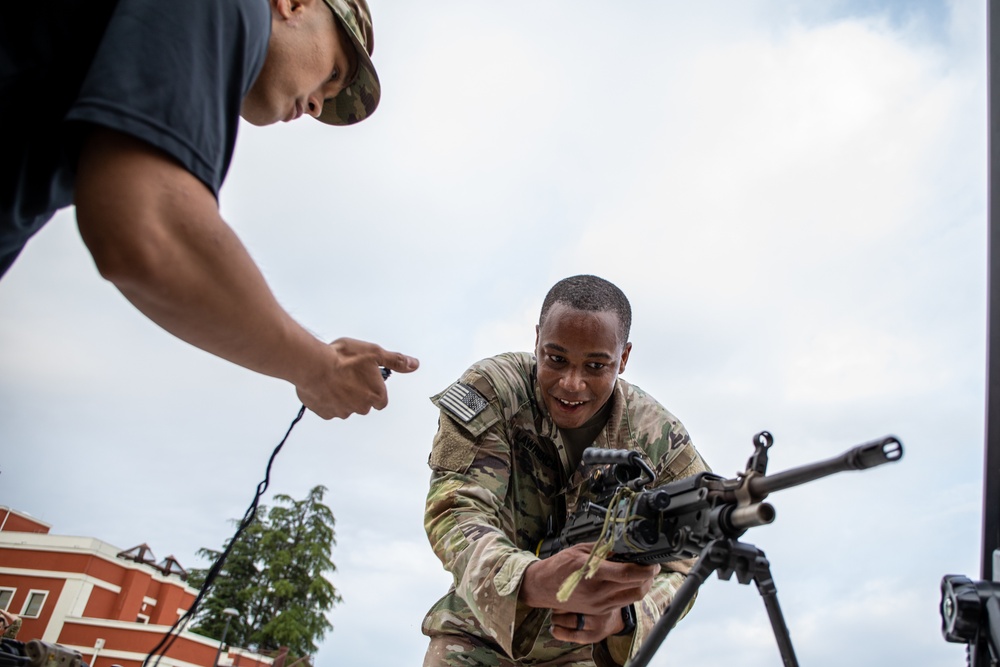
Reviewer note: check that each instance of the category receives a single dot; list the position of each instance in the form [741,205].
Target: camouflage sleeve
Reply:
[464,523]
[13,629]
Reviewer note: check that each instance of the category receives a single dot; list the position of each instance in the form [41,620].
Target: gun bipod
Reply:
[728,557]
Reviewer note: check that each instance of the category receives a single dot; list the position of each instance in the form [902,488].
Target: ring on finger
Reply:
[580,619]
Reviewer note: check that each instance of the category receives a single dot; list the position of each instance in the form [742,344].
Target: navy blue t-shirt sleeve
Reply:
[174,74]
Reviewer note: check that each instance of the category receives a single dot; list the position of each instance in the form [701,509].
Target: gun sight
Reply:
[628,466]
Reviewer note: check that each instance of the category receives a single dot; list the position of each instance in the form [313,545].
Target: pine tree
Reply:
[275,578]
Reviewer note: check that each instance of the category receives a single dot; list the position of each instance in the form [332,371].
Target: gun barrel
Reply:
[868,455]
[757,514]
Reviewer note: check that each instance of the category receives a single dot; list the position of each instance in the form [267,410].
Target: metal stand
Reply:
[970,615]
[728,557]
[970,610]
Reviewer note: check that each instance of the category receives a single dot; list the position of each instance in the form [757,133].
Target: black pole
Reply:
[991,472]
[970,612]
[980,653]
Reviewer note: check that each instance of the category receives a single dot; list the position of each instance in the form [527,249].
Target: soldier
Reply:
[506,464]
[129,109]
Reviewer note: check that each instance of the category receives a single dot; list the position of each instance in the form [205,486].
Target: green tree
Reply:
[275,578]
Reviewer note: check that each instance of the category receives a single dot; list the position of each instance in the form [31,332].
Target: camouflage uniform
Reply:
[10,631]
[500,471]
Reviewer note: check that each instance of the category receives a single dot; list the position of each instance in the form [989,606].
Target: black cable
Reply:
[168,639]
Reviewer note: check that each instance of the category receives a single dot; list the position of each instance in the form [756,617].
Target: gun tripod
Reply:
[728,557]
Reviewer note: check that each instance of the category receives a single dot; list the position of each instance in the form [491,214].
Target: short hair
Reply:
[593,294]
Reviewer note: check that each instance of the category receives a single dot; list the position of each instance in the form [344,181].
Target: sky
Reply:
[792,194]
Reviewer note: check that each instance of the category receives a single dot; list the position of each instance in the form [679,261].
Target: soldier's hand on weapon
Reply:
[598,599]
[348,379]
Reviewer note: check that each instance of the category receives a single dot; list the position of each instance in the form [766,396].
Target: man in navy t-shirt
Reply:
[129,110]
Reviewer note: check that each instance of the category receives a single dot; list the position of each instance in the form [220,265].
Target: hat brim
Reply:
[358,100]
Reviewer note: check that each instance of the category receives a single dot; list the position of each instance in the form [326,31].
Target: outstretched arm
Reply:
[155,232]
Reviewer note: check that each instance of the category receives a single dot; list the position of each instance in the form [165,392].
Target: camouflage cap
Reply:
[358,100]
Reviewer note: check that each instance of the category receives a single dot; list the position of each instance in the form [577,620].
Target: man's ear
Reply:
[625,352]
[282,8]
[286,9]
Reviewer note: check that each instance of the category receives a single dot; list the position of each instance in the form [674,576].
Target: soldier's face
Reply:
[579,359]
[309,60]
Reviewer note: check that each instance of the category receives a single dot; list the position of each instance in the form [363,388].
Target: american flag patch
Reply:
[463,401]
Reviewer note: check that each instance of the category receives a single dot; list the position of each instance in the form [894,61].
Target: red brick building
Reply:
[112,606]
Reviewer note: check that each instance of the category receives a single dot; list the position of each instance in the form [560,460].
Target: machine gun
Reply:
[699,516]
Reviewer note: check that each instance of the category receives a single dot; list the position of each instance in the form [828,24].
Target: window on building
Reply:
[142,618]
[33,605]
[6,595]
